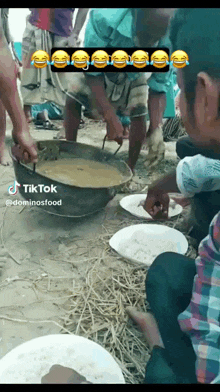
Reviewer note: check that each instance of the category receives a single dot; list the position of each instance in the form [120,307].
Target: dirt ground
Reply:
[41,274]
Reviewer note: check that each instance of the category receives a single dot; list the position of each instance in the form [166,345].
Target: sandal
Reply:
[46,125]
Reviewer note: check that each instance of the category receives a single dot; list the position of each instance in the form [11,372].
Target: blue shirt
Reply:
[113,27]
[198,174]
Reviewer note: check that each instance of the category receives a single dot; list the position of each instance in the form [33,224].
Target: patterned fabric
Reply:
[40,85]
[173,129]
[201,318]
[198,174]
[55,20]
[123,94]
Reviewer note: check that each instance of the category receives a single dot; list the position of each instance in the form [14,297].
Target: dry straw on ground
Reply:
[97,312]
[97,309]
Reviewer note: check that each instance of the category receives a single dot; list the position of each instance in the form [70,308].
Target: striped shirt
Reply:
[55,20]
[198,174]
[201,319]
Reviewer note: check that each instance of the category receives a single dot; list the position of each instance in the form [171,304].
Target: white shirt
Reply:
[198,174]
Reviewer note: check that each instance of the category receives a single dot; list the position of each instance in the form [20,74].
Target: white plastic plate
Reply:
[131,204]
[144,242]
[30,361]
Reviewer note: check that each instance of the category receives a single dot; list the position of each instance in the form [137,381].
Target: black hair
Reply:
[197,32]
[149,25]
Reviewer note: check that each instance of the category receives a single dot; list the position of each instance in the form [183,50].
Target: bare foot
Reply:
[183,201]
[3,258]
[148,325]
[126,133]
[3,160]
[27,112]
[29,119]
[144,146]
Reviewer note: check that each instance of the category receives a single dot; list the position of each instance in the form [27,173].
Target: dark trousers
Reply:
[169,290]
[205,205]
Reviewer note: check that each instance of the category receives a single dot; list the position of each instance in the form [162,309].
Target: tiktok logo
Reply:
[13,189]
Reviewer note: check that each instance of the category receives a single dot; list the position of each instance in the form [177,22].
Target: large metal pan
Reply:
[76,201]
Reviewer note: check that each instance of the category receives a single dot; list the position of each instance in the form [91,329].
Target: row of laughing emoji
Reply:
[100,59]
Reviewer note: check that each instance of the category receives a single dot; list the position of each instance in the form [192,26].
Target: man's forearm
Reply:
[156,107]
[167,184]
[80,20]
[8,85]
[96,83]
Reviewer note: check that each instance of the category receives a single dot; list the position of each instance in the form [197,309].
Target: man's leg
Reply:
[2,133]
[27,112]
[136,138]
[72,118]
[169,285]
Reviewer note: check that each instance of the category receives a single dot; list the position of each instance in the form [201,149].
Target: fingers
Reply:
[28,154]
[158,211]
[25,147]
[119,140]
[33,154]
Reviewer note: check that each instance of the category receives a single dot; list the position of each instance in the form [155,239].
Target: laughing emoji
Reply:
[40,59]
[100,59]
[60,59]
[159,59]
[80,59]
[139,59]
[120,59]
[179,59]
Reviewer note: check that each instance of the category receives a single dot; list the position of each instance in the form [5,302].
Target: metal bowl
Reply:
[76,201]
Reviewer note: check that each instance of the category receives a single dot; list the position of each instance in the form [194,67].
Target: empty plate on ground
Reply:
[144,242]
[131,204]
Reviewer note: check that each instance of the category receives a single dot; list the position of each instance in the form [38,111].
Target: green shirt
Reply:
[113,27]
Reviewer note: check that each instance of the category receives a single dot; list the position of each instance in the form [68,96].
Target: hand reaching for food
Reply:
[157,204]
[63,375]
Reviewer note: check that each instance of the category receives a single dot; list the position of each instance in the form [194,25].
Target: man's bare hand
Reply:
[62,375]
[115,129]
[25,148]
[157,204]
[74,41]
[154,142]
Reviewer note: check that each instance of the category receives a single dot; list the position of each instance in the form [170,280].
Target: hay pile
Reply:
[97,311]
